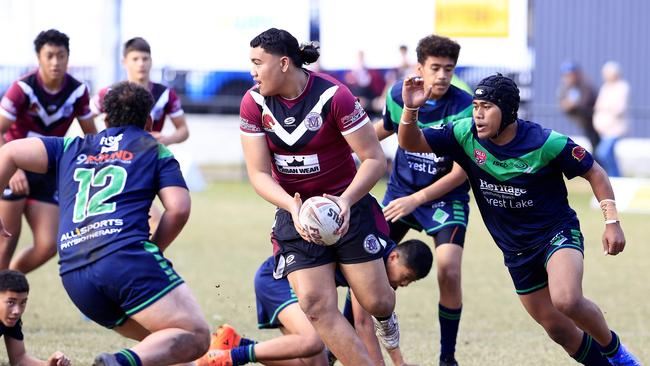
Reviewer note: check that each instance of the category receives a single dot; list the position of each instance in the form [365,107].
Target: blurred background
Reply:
[201,47]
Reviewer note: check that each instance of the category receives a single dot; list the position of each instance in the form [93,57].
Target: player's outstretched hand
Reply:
[58,359]
[295,215]
[414,93]
[399,208]
[18,183]
[613,239]
[344,205]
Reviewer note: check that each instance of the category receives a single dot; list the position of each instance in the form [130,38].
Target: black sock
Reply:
[589,353]
[611,349]
[449,321]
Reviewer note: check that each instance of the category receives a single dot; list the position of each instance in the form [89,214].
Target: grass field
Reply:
[227,237]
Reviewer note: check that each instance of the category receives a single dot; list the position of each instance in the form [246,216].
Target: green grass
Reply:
[227,237]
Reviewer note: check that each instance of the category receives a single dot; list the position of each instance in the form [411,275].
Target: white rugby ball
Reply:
[320,217]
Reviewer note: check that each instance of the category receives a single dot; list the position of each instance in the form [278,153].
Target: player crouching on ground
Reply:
[277,307]
[108,266]
[14,290]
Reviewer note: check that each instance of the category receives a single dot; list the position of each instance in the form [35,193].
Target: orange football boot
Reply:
[225,337]
[215,357]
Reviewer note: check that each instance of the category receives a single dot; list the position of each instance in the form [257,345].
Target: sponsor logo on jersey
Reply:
[521,165]
[110,143]
[245,125]
[313,121]
[502,189]
[289,120]
[297,164]
[480,156]
[371,244]
[578,153]
[122,156]
[425,156]
[353,117]
[92,231]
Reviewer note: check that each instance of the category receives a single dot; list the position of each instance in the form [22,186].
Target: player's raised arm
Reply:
[613,237]
[409,136]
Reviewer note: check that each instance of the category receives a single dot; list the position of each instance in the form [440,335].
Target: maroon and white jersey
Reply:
[36,112]
[166,102]
[309,153]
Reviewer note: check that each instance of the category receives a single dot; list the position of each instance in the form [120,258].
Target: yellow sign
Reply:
[472,18]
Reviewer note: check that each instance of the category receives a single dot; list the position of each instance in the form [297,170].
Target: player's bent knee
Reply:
[449,275]
[381,306]
[311,346]
[315,306]
[189,346]
[569,305]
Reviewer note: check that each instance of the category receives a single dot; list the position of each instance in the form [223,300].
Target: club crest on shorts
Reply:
[480,156]
[371,244]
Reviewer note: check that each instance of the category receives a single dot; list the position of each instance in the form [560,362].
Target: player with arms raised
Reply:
[299,129]
[428,191]
[45,102]
[515,168]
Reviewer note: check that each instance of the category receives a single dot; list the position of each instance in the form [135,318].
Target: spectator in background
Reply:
[577,97]
[359,81]
[405,67]
[610,115]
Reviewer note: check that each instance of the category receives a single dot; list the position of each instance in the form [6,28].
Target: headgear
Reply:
[502,92]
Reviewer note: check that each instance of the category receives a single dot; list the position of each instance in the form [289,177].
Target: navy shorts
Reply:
[272,295]
[119,285]
[42,187]
[445,221]
[364,241]
[530,274]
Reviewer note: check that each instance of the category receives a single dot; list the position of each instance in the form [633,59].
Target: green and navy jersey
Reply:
[518,186]
[106,184]
[414,171]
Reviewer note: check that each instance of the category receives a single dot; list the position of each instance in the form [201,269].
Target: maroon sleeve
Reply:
[13,102]
[250,118]
[173,107]
[82,106]
[97,102]
[348,112]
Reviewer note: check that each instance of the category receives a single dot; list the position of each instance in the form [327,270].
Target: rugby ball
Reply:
[320,217]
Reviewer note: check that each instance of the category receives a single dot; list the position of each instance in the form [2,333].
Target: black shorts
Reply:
[364,242]
[113,288]
[42,187]
[531,274]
